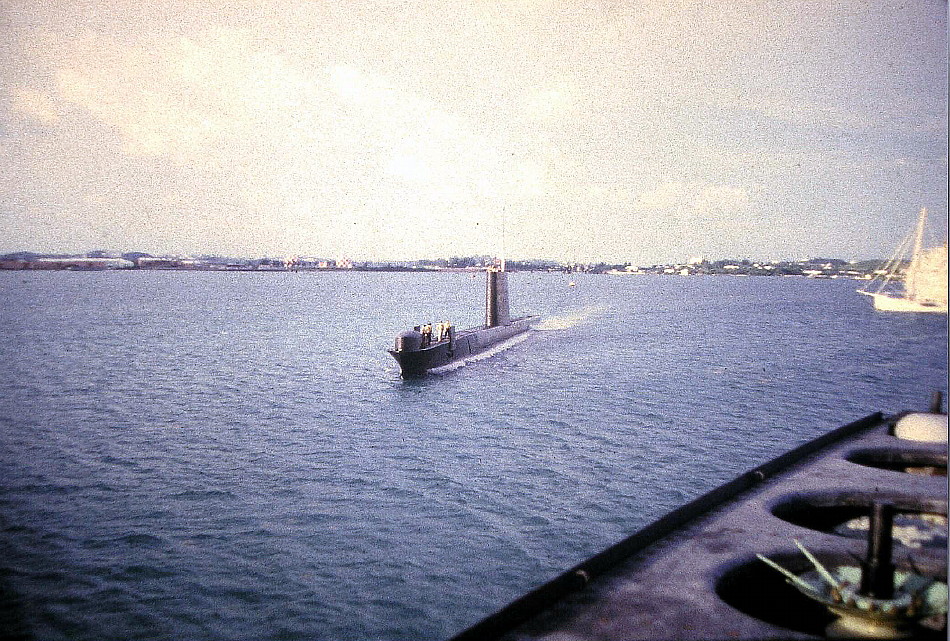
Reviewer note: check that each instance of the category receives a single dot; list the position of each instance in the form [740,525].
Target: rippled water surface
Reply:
[233,455]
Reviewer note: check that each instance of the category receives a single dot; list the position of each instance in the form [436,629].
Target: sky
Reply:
[618,131]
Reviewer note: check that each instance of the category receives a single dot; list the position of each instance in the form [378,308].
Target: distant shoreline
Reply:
[828,269]
[102,260]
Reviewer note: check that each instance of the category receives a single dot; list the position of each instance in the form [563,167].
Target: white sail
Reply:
[929,284]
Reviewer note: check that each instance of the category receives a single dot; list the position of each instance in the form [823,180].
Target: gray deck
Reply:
[668,590]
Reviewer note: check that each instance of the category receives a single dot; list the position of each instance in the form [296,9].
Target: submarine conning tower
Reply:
[496,298]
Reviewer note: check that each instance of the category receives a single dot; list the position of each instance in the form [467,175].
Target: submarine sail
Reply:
[496,299]
[427,347]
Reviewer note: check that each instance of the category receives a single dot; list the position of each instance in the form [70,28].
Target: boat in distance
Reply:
[425,348]
[924,282]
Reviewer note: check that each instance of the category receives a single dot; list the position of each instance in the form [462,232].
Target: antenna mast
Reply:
[503,248]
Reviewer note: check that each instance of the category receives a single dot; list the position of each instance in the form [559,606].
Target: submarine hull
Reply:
[415,363]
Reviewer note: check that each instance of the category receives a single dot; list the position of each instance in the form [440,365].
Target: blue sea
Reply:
[233,455]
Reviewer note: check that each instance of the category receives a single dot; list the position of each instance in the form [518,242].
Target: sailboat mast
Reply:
[910,285]
[919,236]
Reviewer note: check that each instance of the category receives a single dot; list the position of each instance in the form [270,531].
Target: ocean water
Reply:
[190,455]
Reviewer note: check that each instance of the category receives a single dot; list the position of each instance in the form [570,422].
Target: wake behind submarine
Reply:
[419,350]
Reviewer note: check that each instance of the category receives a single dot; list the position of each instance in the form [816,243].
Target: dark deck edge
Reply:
[546,595]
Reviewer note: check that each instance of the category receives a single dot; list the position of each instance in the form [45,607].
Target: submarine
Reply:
[417,350]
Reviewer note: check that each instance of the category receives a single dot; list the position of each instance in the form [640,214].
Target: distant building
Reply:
[84,263]
[149,262]
[271,264]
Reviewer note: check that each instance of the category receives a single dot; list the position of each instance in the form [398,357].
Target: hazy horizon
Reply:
[510,259]
[381,131]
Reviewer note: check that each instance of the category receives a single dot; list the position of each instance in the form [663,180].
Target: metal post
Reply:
[936,402]
[877,576]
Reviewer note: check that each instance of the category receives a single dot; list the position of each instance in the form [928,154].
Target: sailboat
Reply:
[924,281]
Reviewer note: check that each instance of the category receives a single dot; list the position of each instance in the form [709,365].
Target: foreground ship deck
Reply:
[695,574]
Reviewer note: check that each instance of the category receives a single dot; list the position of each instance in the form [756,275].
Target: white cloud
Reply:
[314,121]
[713,199]
[551,104]
[668,195]
[35,104]
[700,198]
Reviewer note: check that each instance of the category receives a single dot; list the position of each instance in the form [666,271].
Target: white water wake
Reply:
[488,353]
[569,320]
